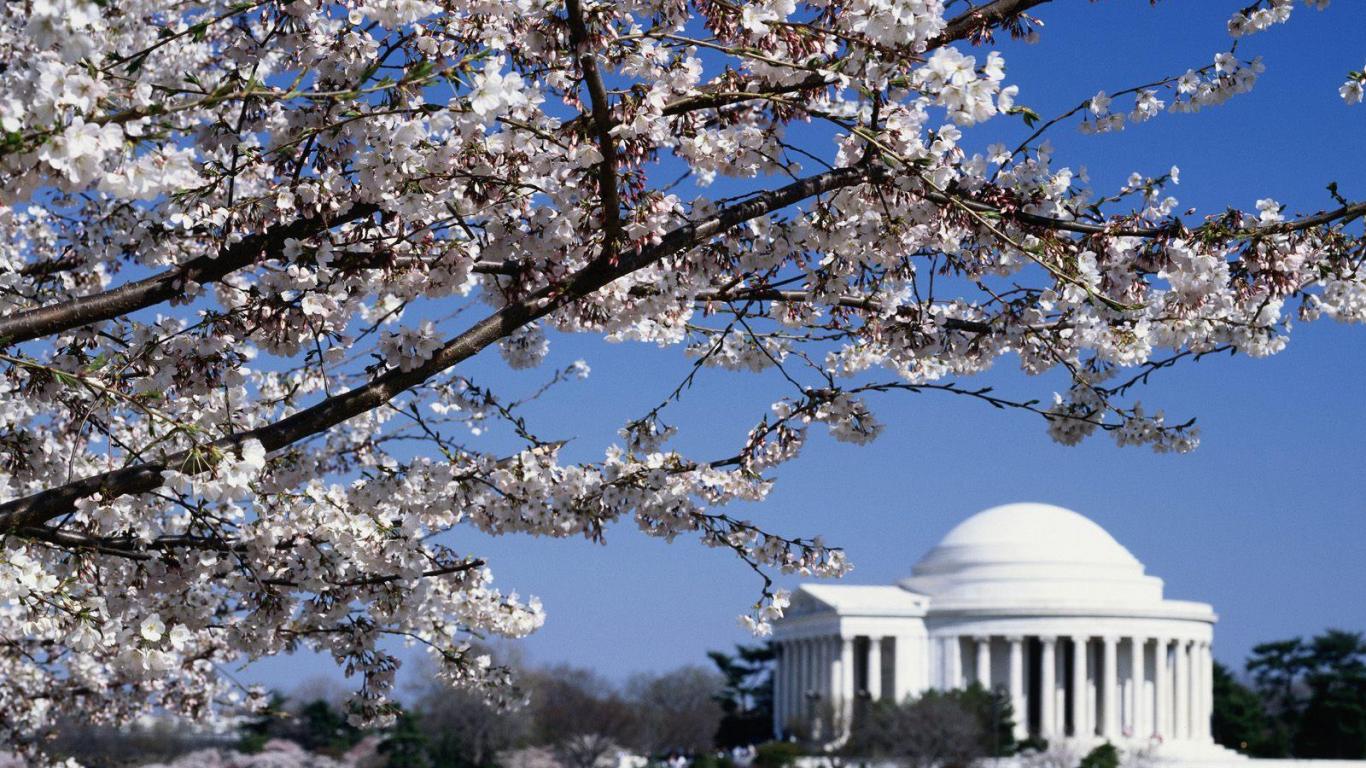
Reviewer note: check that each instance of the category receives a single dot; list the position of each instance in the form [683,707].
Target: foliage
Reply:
[776,754]
[747,695]
[949,728]
[1240,720]
[316,726]
[1103,756]
[265,724]
[1333,721]
[1315,693]
[708,759]
[405,744]
[321,727]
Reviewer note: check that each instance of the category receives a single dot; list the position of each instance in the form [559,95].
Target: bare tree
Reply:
[578,715]
[942,730]
[465,730]
[677,709]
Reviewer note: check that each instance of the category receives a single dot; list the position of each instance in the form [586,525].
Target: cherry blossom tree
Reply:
[249,246]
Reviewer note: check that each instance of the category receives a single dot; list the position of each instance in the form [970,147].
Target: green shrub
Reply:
[776,754]
[1103,756]
[710,760]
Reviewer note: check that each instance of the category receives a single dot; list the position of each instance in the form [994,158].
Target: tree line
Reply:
[1300,698]
[1303,698]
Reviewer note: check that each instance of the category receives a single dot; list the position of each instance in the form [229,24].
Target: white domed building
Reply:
[1033,599]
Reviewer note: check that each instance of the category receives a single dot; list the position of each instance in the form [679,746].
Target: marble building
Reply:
[1032,599]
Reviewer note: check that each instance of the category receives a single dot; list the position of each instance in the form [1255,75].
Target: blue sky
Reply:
[1267,520]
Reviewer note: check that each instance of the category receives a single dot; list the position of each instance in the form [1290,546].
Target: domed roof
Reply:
[1030,532]
[1030,554]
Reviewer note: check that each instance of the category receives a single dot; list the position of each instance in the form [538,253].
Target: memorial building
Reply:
[1032,599]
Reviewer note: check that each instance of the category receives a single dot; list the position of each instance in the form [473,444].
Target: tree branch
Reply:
[600,110]
[977,21]
[36,323]
[141,478]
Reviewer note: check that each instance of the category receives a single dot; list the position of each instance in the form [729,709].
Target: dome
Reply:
[1031,553]
[1031,532]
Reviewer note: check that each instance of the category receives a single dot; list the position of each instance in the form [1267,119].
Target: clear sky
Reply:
[1266,520]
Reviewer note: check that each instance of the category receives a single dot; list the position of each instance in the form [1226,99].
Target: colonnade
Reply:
[821,675]
[1111,687]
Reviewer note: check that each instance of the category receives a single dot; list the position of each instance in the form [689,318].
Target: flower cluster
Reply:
[1265,14]
[970,96]
[1353,89]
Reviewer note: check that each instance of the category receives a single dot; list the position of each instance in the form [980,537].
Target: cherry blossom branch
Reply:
[978,22]
[45,505]
[36,323]
[600,110]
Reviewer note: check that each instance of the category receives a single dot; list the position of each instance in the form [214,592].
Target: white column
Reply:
[955,649]
[1080,722]
[780,686]
[903,674]
[1017,697]
[1181,712]
[1197,689]
[1162,692]
[1197,703]
[1048,685]
[845,695]
[939,675]
[820,671]
[1207,664]
[983,661]
[1138,663]
[875,667]
[1110,700]
[812,670]
[924,653]
[1200,730]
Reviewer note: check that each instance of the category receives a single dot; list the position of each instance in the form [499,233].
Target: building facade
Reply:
[1031,599]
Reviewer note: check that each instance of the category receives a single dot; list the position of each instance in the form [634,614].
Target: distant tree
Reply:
[405,744]
[941,728]
[1276,668]
[578,715]
[103,746]
[747,696]
[1240,720]
[464,729]
[677,710]
[1316,693]
[264,725]
[316,726]
[994,714]
[1333,720]
[320,727]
